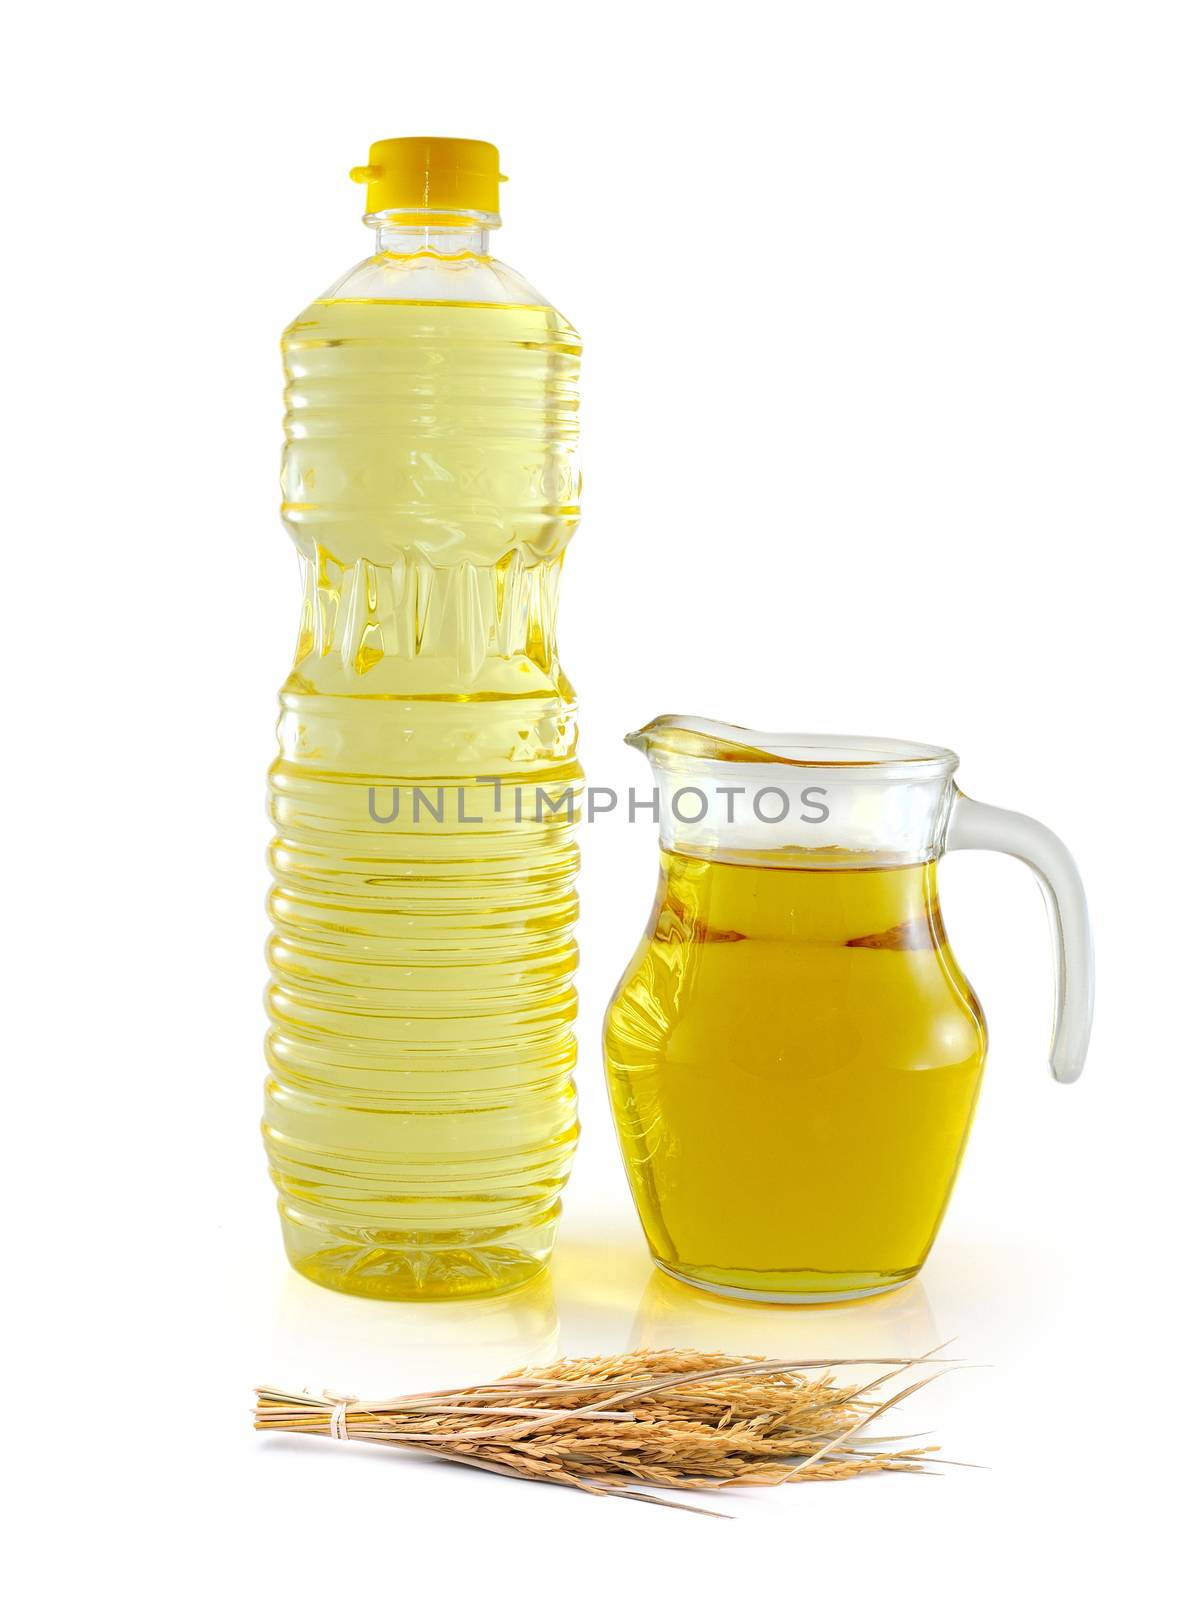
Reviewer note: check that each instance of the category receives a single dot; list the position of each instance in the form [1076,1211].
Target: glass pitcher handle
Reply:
[973,826]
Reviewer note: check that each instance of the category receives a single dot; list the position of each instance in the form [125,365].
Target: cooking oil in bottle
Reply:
[420,1115]
[793,1059]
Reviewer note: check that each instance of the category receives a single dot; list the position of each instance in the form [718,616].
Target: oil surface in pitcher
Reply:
[793,1059]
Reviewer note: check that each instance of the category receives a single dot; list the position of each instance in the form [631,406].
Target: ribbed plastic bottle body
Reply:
[420,1115]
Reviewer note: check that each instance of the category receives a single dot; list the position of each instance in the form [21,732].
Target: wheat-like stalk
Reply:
[671,1419]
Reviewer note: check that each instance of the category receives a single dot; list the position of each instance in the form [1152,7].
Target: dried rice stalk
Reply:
[673,1419]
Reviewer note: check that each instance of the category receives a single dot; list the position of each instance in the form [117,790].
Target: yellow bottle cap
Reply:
[429,175]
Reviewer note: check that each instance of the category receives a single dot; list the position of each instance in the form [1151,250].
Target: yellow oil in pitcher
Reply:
[793,1060]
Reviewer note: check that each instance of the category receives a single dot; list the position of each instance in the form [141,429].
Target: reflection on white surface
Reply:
[602,1294]
[899,1323]
[611,1297]
[374,1348]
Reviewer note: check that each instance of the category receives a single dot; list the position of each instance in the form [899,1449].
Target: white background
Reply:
[884,411]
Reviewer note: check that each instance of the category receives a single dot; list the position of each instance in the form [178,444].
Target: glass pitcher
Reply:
[794,1055]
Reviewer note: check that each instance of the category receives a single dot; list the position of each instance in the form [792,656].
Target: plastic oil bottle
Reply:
[419,1110]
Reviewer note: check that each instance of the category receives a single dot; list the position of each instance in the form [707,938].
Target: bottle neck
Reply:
[436,233]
